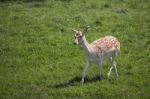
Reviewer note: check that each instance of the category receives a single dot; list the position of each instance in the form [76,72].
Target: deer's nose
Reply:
[74,43]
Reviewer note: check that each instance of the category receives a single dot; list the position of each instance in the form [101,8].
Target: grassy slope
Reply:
[38,60]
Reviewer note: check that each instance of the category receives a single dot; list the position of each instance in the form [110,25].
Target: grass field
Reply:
[39,61]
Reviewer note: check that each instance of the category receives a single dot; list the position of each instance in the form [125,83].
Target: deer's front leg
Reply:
[84,71]
[100,68]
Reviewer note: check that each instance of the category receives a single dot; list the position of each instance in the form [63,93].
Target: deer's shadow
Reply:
[76,80]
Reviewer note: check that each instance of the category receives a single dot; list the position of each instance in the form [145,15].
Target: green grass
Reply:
[39,61]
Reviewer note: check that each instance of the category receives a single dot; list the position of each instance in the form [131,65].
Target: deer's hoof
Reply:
[107,77]
[117,77]
[100,78]
[82,81]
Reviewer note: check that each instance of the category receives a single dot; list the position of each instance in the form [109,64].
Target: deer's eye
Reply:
[78,34]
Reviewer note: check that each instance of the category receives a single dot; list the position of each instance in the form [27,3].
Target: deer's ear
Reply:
[85,29]
[74,30]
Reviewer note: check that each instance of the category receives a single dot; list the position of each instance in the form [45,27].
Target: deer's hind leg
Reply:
[113,66]
[108,75]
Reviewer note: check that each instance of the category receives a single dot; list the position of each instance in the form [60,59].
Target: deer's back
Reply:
[106,43]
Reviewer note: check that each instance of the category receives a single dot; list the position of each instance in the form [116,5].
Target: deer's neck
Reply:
[86,45]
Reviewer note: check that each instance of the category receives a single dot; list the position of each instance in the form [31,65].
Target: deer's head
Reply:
[79,35]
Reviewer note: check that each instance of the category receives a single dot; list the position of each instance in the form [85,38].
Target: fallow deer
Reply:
[97,51]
